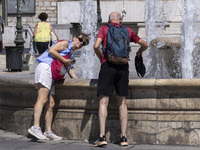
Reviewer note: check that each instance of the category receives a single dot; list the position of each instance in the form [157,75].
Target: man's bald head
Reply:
[115,17]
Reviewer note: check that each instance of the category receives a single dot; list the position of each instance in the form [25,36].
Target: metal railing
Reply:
[29,32]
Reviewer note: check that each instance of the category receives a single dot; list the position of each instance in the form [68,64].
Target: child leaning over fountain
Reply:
[114,76]
[45,83]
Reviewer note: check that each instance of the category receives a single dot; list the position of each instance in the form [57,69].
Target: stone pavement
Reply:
[11,141]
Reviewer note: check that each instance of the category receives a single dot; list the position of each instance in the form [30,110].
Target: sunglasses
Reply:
[81,40]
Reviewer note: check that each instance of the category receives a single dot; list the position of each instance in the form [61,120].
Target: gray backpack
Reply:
[117,45]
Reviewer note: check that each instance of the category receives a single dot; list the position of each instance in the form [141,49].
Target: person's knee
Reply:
[104,101]
[52,105]
[42,100]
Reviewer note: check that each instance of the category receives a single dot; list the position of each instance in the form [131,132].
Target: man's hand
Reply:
[144,46]
[139,53]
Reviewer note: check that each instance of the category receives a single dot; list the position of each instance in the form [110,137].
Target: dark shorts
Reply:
[42,46]
[112,77]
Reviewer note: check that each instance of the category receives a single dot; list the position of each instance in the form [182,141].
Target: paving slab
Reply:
[12,141]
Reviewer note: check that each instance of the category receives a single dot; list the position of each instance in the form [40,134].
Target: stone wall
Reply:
[30,20]
[48,6]
[164,111]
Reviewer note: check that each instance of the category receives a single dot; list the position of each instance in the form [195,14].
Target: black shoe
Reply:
[123,141]
[101,141]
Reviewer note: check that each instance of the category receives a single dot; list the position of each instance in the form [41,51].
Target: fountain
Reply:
[188,38]
[160,111]
[89,62]
[174,57]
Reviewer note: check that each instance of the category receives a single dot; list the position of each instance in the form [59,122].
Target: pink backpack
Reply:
[58,69]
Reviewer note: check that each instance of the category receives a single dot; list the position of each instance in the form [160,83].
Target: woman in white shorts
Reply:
[45,84]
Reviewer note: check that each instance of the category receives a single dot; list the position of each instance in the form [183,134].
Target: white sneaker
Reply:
[37,133]
[52,136]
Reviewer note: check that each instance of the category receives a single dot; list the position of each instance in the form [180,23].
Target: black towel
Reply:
[139,66]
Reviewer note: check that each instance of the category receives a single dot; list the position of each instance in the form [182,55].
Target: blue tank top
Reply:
[47,58]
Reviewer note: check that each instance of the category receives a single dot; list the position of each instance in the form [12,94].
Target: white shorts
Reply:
[43,76]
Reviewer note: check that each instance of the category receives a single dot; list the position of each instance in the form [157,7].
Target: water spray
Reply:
[123,14]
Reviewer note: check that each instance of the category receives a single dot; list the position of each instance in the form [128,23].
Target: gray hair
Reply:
[114,16]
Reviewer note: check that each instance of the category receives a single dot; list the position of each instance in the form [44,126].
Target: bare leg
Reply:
[103,104]
[43,94]
[49,113]
[123,114]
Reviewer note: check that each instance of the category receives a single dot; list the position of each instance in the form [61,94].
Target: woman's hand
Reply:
[67,63]
[72,73]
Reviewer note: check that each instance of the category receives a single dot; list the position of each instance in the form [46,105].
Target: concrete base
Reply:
[159,111]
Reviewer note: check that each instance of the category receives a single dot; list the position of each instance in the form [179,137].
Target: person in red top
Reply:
[112,76]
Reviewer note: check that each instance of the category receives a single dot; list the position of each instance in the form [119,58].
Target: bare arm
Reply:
[97,48]
[58,47]
[35,30]
[52,29]
[72,73]
[144,46]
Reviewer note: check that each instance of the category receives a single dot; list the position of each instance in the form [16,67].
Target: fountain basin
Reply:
[162,111]
[165,57]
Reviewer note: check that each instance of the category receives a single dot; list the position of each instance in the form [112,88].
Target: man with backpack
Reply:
[114,73]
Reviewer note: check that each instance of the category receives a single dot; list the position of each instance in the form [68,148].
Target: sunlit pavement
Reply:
[11,141]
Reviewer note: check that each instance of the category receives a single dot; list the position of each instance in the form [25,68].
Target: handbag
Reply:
[53,37]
